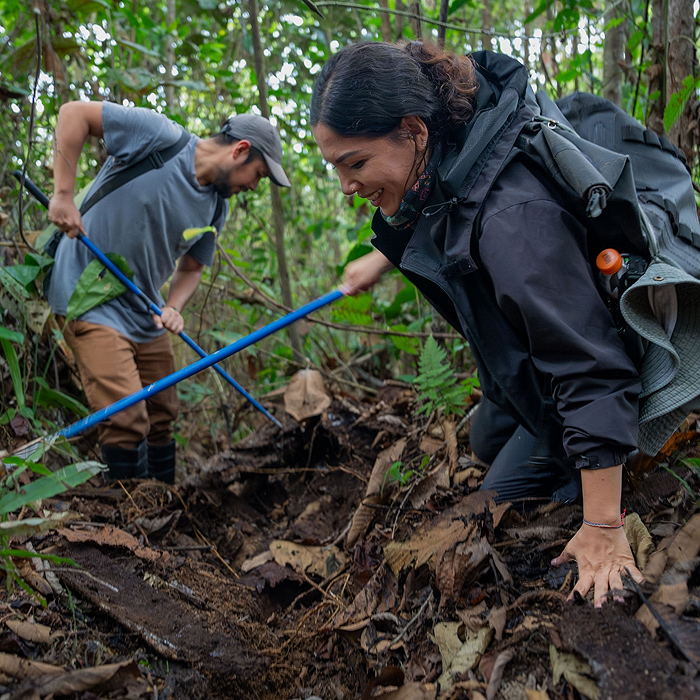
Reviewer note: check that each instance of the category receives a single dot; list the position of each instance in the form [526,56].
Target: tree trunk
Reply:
[657,70]
[444,9]
[277,217]
[415,21]
[486,25]
[398,24]
[170,15]
[681,64]
[386,21]
[614,54]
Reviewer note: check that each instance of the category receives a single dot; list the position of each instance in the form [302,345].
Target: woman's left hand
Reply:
[602,556]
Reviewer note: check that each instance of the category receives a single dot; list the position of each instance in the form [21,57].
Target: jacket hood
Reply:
[503,87]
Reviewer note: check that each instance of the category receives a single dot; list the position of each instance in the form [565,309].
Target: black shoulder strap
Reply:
[219,209]
[155,160]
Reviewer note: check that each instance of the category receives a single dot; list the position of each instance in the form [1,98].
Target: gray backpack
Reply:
[647,209]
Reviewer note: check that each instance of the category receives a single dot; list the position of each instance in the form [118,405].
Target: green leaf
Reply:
[39,468]
[48,486]
[137,47]
[354,310]
[357,251]
[676,103]
[48,397]
[406,295]
[86,7]
[365,231]
[25,554]
[14,336]
[567,75]
[458,4]
[15,373]
[31,526]
[635,39]
[436,383]
[198,85]
[404,343]
[13,92]
[24,274]
[16,289]
[96,286]
[537,11]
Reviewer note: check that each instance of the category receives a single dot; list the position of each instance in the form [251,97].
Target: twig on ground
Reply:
[406,627]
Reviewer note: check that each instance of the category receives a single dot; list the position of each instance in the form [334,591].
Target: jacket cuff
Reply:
[602,458]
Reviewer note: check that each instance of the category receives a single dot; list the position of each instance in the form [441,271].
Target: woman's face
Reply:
[379,169]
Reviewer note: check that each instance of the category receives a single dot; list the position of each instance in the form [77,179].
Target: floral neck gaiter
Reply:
[415,199]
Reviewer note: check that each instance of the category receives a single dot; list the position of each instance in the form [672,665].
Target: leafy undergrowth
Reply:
[350,555]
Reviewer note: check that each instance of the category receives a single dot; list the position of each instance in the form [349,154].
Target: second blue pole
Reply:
[44,201]
[198,366]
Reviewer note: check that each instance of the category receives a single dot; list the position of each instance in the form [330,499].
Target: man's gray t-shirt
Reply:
[143,220]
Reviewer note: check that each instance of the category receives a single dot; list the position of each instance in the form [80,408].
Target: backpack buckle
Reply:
[156,159]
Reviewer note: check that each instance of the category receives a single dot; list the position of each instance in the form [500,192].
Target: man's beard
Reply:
[222,184]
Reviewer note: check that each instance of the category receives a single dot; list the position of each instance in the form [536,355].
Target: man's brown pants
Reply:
[112,367]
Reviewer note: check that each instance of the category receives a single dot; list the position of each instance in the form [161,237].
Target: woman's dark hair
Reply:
[366,89]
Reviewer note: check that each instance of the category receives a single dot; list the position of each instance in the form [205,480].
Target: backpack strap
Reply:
[219,209]
[155,160]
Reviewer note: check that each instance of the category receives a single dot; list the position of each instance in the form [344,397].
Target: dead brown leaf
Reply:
[31,631]
[639,538]
[16,667]
[683,547]
[306,559]
[431,540]
[99,679]
[459,657]
[437,479]
[575,670]
[499,668]
[378,594]
[410,691]
[377,490]
[114,537]
[306,395]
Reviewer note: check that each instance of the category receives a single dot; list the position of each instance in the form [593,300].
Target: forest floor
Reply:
[310,562]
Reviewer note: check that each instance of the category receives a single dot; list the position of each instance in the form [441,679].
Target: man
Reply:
[152,221]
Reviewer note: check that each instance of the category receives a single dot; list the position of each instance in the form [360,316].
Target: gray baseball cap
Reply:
[262,136]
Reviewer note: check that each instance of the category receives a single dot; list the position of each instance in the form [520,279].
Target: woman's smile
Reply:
[380,169]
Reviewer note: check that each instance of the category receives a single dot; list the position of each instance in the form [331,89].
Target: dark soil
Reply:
[238,582]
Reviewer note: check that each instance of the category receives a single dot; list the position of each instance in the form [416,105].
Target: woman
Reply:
[427,138]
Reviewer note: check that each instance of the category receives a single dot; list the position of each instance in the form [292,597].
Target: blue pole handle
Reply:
[198,366]
[156,310]
[44,200]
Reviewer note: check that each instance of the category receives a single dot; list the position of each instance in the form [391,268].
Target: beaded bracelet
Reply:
[608,527]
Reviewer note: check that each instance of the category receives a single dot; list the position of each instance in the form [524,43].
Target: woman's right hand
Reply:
[65,215]
[363,273]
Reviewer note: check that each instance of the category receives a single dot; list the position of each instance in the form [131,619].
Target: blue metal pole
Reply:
[44,200]
[198,366]
[156,310]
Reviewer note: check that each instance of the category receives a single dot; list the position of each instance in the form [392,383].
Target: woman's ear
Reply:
[415,127]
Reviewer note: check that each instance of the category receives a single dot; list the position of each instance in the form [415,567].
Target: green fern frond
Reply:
[436,384]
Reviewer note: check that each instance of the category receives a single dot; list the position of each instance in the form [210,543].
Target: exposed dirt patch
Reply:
[238,582]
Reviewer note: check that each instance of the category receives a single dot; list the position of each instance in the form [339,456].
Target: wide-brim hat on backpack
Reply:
[663,306]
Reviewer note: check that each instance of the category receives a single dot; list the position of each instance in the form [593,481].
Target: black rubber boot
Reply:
[161,462]
[125,463]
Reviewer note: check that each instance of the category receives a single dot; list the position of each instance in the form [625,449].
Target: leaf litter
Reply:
[350,555]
